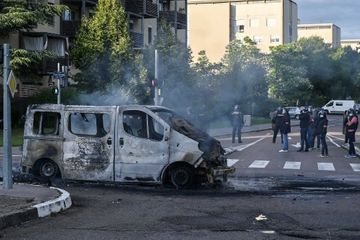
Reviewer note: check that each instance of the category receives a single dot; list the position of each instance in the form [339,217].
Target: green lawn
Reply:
[17,137]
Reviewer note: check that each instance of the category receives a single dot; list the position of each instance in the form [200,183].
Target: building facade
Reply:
[214,24]
[353,43]
[144,17]
[327,31]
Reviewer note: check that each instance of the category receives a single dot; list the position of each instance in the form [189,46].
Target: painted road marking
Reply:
[333,142]
[355,167]
[323,166]
[259,164]
[231,162]
[292,165]
[243,147]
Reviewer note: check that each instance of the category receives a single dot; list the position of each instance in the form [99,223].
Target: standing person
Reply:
[322,130]
[237,123]
[276,121]
[345,127]
[315,132]
[285,128]
[352,123]
[304,118]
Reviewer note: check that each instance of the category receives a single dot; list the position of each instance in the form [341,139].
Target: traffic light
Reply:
[55,91]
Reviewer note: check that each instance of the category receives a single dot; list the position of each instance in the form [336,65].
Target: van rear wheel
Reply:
[182,176]
[48,169]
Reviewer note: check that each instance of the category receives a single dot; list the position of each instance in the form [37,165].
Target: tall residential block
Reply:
[353,43]
[327,31]
[214,24]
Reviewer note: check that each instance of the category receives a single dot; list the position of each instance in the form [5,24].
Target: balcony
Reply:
[88,3]
[137,40]
[146,8]
[69,28]
[169,16]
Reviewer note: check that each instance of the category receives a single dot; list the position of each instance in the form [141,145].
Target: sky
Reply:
[343,13]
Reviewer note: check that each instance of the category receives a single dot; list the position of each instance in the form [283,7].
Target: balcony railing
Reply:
[169,16]
[145,8]
[49,66]
[137,39]
[69,28]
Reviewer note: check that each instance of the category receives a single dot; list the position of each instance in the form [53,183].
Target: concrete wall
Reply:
[327,31]
[209,29]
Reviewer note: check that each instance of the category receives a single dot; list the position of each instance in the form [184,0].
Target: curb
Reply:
[40,210]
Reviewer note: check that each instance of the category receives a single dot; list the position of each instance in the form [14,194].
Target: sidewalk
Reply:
[25,202]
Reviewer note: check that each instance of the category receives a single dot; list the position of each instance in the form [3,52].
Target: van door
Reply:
[88,145]
[142,146]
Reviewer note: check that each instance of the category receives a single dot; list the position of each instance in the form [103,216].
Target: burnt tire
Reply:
[48,169]
[182,177]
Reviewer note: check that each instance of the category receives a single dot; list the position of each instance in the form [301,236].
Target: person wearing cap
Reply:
[351,127]
[237,123]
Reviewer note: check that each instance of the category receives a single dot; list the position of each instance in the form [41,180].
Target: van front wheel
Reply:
[182,177]
[48,169]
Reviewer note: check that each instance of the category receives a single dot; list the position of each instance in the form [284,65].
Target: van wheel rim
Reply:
[48,169]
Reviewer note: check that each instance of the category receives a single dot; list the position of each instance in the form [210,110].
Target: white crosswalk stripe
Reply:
[355,167]
[323,166]
[292,165]
[231,162]
[259,164]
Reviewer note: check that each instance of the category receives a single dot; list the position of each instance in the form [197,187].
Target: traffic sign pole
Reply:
[58,86]
[7,159]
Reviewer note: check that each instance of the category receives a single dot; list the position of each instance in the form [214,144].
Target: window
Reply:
[274,39]
[254,22]
[141,125]
[257,39]
[330,104]
[149,35]
[339,104]
[46,123]
[89,124]
[241,28]
[271,22]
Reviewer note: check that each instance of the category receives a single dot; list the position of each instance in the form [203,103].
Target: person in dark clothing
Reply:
[277,120]
[314,125]
[285,128]
[237,123]
[351,127]
[304,118]
[345,127]
[322,130]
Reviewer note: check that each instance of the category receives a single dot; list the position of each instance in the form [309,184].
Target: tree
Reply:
[287,76]
[243,81]
[103,53]
[21,15]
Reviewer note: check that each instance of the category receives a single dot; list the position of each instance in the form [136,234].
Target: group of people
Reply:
[313,126]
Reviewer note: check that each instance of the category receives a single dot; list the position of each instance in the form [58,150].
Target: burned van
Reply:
[145,144]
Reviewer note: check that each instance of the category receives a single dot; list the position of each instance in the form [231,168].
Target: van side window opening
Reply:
[46,123]
[338,104]
[89,124]
[141,125]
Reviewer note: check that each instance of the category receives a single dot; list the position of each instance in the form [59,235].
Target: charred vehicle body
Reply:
[145,144]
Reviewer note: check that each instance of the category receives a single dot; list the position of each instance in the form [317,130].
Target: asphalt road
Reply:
[113,212]
[272,199]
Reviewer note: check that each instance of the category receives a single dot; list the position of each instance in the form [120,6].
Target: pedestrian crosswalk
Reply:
[293,165]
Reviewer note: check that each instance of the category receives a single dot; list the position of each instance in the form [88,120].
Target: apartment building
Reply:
[213,24]
[144,17]
[327,31]
[353,43]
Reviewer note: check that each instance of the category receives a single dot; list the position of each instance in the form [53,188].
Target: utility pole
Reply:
[156,89]
[58,85]
[7,160]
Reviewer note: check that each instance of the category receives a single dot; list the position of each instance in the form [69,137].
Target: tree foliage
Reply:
[21,15]
[103,53]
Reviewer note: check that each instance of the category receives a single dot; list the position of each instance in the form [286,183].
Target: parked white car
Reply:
[294,112]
